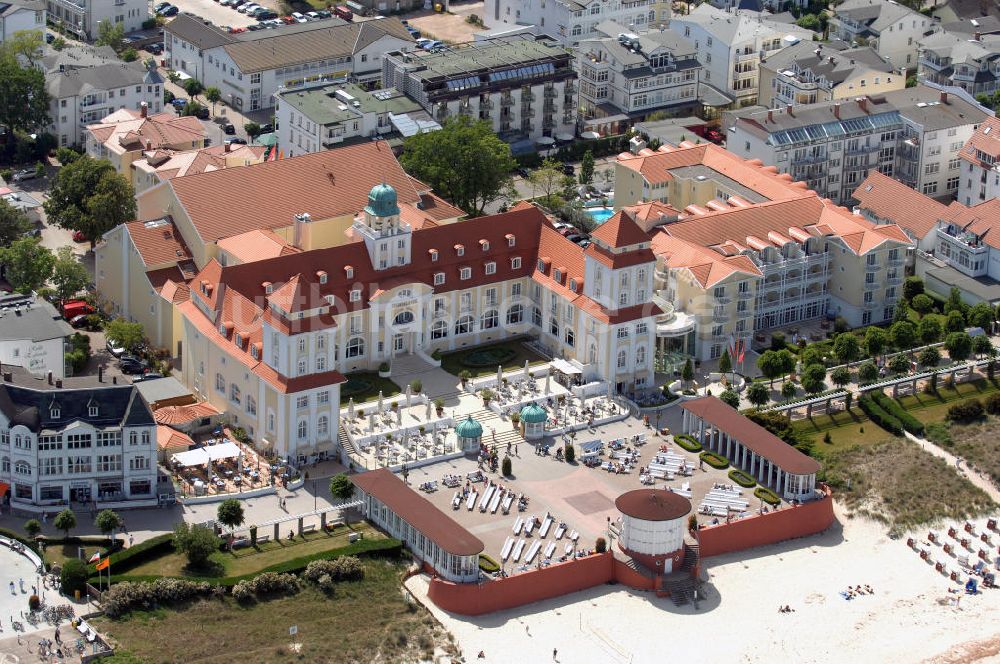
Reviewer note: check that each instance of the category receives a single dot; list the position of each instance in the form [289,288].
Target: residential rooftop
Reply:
[334,103]
[492,54]
[832,64]
[28,317]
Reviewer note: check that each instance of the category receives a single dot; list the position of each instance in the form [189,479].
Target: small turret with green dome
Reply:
[533,414]
[382,201]
[469,428]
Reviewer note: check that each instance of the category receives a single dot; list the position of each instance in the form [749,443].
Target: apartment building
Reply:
[20,15]
[91,443]
[913,134]
[127,136]
[570,21]
[955,245]
[731,46]
[83,17]
[250,67]
[634,74]
[526,87]
[86,84]
[971,63]
[143,269]
[161,164]
[892,29]
[980,178]
[32,335]
[811,72]
[742,250]
[323,116]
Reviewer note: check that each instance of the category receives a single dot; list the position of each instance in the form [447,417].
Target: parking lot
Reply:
[219,15]
[451,27]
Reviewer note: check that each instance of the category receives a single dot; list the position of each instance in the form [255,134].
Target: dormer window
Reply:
[572,285]
[515,263]
[355,295]
[541,265]
[491,268]
[54,412]
[557,274]
[465,273]
[255,352]
[438,278]
[92,410]
[433,253]
[268,287]
[238,340]
[222,329]
[485,244]
[510,240]
[321,276]
[348,271]
[460,249]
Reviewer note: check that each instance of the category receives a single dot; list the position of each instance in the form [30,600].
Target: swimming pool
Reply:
[600,214]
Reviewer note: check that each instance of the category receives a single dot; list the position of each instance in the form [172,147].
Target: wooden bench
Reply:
[309,529]
[263,538]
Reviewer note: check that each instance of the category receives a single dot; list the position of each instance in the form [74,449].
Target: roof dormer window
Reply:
[321,275]
[510,240]
[557,274]
[465,273]
[238,340]
[438,278]
[491,268]
[460,249]
[572,285]
[541,265]
[54,412]
[485,244]
[349,271]
[355,295]
[433,253]
[92,410]
[268,287]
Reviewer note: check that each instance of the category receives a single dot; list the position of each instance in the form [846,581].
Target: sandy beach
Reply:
[911,617]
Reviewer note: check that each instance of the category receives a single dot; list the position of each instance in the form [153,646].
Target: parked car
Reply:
[160,6]
[179,102]
[129,364]
[155,49]
[169,11]
[522,172]
[573,237]
[78,321]
[325,14]
[568,169]
[413,32]
[78,236]
[202,113]
[149,375]
[343,12]
[115,348]
[268,16]
[73,308]
[431,44]
[229,129]
[49,37]
[236,140]
[580,239]
[299,17]
[266,128]
[312,16]
[25,174]
[715,136]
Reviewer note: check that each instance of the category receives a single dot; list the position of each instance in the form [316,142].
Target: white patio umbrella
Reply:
[547,377]
[526,369]
[428,416]
[371,423]
[380,401]
[350,408]
[399,416]
[499,375]
[409,395]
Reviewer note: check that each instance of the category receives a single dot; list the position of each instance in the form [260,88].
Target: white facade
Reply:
[652,538]
[569,21]
[38,357]
[891,28]
[32,335]
[21,16]
[82,17]
[731,46]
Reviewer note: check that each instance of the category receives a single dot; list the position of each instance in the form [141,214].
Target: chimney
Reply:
[788,109]
[114,380]
[978,36]
[58,383]
[836,110]
[50,378]
[944,97]
[863,103]
[100,374]
[143,110]
[7,377]
[302,220]
[228,147]
[770,115]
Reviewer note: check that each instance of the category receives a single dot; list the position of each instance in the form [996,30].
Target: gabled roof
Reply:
[158,242]
[117,406]
[197,32]
[890,199]
[175,415]
[986,139]
[257,245]
[127,130]
[620,231]
[324,184]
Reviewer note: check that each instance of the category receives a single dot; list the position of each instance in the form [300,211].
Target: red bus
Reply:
[343,12]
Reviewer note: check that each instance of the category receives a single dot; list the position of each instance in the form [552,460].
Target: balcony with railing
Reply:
[506,101]
[719,315]
[871,285]
[746,57]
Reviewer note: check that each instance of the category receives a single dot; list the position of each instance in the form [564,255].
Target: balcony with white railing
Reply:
[672,323]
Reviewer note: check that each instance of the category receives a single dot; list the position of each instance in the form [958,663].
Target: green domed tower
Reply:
[470,435]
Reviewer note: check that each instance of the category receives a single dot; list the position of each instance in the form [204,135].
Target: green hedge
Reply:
[132,557]
[893,407]
[879,416]
[715,460]
[742,478]
[768,496]
[487,564]
[387,548]
[687,442]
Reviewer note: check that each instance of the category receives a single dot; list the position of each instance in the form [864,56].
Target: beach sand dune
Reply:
[911,617]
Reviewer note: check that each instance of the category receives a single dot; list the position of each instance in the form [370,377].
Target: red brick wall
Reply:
[473,599]
[775,526]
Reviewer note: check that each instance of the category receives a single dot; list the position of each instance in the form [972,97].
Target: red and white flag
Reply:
[94,558]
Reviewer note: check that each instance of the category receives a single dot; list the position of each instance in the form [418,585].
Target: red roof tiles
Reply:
[620,231]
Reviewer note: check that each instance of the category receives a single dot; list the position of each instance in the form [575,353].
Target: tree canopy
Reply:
[24,101]
[980,315]
[128,334]
[730,398]
[959,345]
[197,542]
[903,334]
[757,394]
[28,265]
[108,521]
[91,197]
[875,340]
[65,521]
[13,224]
[341,487]
[111,34]
[846,347]
[69,276]
[465,162]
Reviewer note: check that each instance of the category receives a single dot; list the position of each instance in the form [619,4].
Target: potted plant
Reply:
[487,396]
[439,406]
[361,413]
[464,376]
[383,370]
[515,418]
[395,406]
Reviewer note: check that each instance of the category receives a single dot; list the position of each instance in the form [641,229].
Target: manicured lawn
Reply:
[248,560]
[513,354]
[58,553]
[932,407]
[846,429]
[363,621]
[365,385]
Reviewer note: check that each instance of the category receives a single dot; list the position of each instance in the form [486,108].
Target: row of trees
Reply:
[107,521]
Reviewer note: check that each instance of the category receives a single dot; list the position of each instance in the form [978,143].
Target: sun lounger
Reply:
[533,551]
[518,548]
[456,501]
[544,531]
[560,531]
[517,525]
[485,501]
[529,525]
[507,502]
[508,546]
[574,536]
[568,549]
[549,550]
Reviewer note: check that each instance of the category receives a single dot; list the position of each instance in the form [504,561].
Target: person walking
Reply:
[555,652]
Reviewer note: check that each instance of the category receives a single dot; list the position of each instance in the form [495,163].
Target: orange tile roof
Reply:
[985,139]
[709,267]
[173,292]
[651,214]
[126,130]
[169,164]
[256,245]
[326,184]
[177,415]
[167,438]
[887,198]
[158,242]
[620,231]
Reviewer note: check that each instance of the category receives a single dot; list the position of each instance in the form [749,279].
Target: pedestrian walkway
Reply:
[981,481]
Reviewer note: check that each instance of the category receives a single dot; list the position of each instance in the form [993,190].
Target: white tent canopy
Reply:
[203,455]
[562,366]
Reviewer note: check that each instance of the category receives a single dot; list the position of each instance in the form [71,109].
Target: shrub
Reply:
[993,404]
[266,584]
[742,478]
[436,355]
[383,367]
[967,411]
[601,545]
[345,568]
[125,597]
[34,603]
[878,415]
[505,466]
[416,386]
[74,576]
[687,442]
[198,542]
[487,564]
[893,407]
[768,496]
[715,460]
[570,453]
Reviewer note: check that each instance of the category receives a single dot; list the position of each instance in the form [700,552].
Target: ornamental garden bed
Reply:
[687,442]
[715,460]
[768,496]
[488,357]
[365,385]
[741,478]
[487,564]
